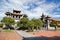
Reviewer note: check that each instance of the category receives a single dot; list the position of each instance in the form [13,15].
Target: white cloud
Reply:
[23,5]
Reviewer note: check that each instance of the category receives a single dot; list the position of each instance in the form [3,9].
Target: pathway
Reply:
[25,34]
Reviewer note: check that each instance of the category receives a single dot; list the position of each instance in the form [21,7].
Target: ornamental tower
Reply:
[15,15]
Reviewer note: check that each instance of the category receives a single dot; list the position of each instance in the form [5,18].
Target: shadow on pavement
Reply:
[42,38]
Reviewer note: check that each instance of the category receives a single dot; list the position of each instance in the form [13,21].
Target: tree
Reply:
[38,23]
[54,24]
[31,25]
[23,22]
[8,21]
[1,25]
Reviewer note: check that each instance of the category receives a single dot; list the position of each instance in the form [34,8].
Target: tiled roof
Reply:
[8,13]
[16,14]
[50,18]
[58,24]
[54,19]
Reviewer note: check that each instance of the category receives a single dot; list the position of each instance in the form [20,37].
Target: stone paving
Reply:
[10,36]
[22,35]
[25,34]
[46,33]
[43,35]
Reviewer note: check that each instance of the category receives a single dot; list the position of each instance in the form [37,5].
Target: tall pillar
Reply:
[14,17]
[18,17]
[48,24]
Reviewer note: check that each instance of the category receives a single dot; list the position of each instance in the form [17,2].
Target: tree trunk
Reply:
[29,28]
[32,28]
[55,27]
[40,28]
[37,28]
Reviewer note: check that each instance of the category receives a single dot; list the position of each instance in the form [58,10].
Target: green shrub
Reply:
[1,25]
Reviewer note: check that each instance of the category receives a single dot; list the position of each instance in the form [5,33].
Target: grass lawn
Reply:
[7,30]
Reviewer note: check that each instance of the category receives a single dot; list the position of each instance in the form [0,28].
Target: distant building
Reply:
[47,21]
[15,15]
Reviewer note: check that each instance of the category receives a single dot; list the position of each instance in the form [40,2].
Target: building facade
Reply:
[48,20]
[16,15]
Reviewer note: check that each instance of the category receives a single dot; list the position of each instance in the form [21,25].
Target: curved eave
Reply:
[58,25]
[17,14]
[7,13]
[50,19]
[56,20]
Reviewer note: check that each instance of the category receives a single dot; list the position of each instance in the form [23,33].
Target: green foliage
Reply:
[23,22]
[31,24]
[7,30]
[8,21]
[26,23]
[53,24]
[1,25]
[37,22]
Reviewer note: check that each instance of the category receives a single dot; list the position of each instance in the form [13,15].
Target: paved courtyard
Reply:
[10,36]
[46,33]
[42,35]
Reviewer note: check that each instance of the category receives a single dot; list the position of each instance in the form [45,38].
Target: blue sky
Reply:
[33,8]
